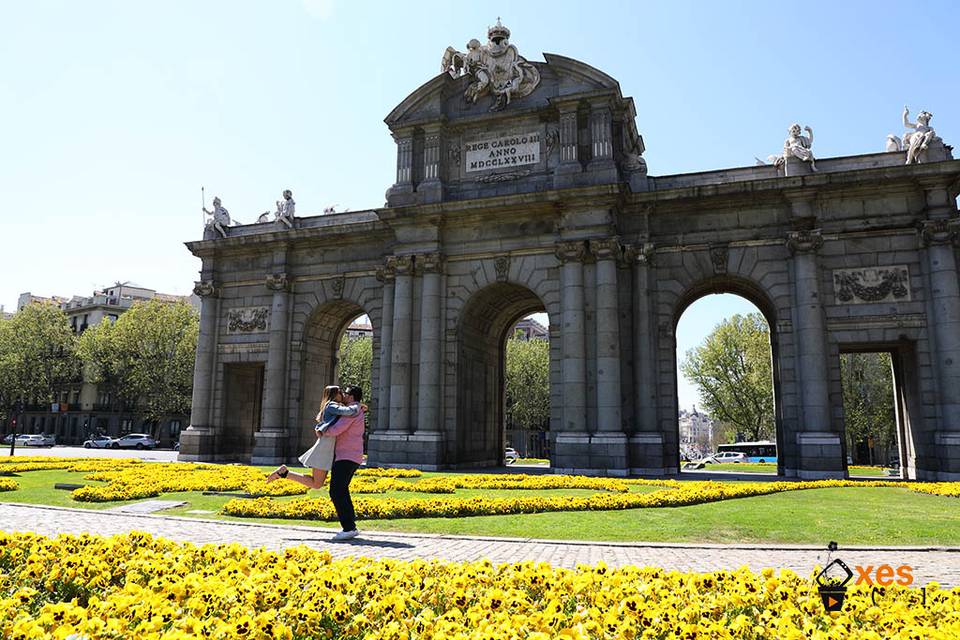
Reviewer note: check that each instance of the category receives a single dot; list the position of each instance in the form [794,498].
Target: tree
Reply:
[356,363]
[868,402]
[147,355]
[527,381]
[732,371]
[37,355]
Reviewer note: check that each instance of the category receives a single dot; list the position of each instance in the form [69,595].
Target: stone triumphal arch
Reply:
[521,187]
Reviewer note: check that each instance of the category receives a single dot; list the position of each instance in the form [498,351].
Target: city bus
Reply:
[762,451]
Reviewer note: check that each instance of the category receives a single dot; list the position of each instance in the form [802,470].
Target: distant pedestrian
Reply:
[348,455]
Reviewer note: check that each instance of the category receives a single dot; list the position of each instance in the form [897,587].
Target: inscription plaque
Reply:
[502,151]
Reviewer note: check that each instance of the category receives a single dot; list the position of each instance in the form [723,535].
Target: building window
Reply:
[174,429]
[126,425]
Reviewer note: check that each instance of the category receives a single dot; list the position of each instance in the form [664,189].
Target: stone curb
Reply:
[374,533]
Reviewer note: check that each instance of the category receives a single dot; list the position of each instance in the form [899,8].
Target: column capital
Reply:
[278,282]
[400,265]
[206,289]
[606,248]
[429,263]
[571,251]
[939,232]
[640,254]
[386,273]
[804,241]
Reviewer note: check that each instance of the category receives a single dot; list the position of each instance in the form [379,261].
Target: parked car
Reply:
[727,456]
[7,439]
[510,455]
[134,441]
[98,442]
[36,440]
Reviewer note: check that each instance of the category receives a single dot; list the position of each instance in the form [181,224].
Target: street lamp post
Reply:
[17,410]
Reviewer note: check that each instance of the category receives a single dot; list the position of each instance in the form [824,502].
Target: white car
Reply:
[98,442]
[510,455]
[134,441]
[728,456]
[36,440]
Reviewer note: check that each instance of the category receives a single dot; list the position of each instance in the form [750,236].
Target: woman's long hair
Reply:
[329,395]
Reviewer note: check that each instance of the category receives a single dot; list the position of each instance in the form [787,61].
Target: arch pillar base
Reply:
[821,457]
[648,457]
[603,454]
[197,445]
[269,447]
[423,450]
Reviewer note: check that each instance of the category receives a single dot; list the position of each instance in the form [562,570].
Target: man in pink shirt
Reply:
[347,457]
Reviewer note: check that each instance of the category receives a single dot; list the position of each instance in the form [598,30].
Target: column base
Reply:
[821,456]
[197,445]
[603,454]
[647,456]
[269,447]
[421,450]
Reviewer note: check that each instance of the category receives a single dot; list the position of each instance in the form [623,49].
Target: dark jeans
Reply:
[340,477]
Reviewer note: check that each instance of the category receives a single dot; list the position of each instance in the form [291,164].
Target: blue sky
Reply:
[113,114]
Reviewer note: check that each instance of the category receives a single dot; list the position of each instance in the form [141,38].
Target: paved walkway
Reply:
[941,564]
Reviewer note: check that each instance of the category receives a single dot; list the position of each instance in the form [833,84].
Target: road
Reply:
[156,455]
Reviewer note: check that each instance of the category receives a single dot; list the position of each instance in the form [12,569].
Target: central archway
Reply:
[752,294]
[486,322]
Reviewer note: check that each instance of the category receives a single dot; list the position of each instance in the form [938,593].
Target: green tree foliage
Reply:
[356,363]
[868,401]
[732,371]
[528,383]
[37,355]
[148,355]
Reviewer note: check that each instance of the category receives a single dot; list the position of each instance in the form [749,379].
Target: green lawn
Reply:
[851,516]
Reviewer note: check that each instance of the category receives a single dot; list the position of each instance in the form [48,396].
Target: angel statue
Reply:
[220,218]
[798,146]
[496,68]
[916,141]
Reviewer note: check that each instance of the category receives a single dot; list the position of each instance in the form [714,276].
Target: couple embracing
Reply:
[338,451]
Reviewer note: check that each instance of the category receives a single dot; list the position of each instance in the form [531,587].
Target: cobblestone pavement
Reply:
[941,564]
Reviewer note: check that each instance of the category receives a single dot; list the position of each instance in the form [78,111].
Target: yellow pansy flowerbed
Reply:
[141,588]
[8,484]
[43,463]
[685,493]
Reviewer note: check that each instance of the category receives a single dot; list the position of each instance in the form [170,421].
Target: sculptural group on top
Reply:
[916,141]
[497,68]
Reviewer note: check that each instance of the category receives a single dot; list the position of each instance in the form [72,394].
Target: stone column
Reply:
[430,188]
[400,359]
[402,190]
[646,442]
[269,442]
[569,139]
[601,134]
[607,252]
[197,442]
[430,265]
[820,451]
[572,443]
[387,277]
[939,237]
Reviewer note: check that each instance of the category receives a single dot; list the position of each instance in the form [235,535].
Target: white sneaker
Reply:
[346,535]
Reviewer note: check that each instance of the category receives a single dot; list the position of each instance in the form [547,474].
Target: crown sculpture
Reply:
[496,68]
